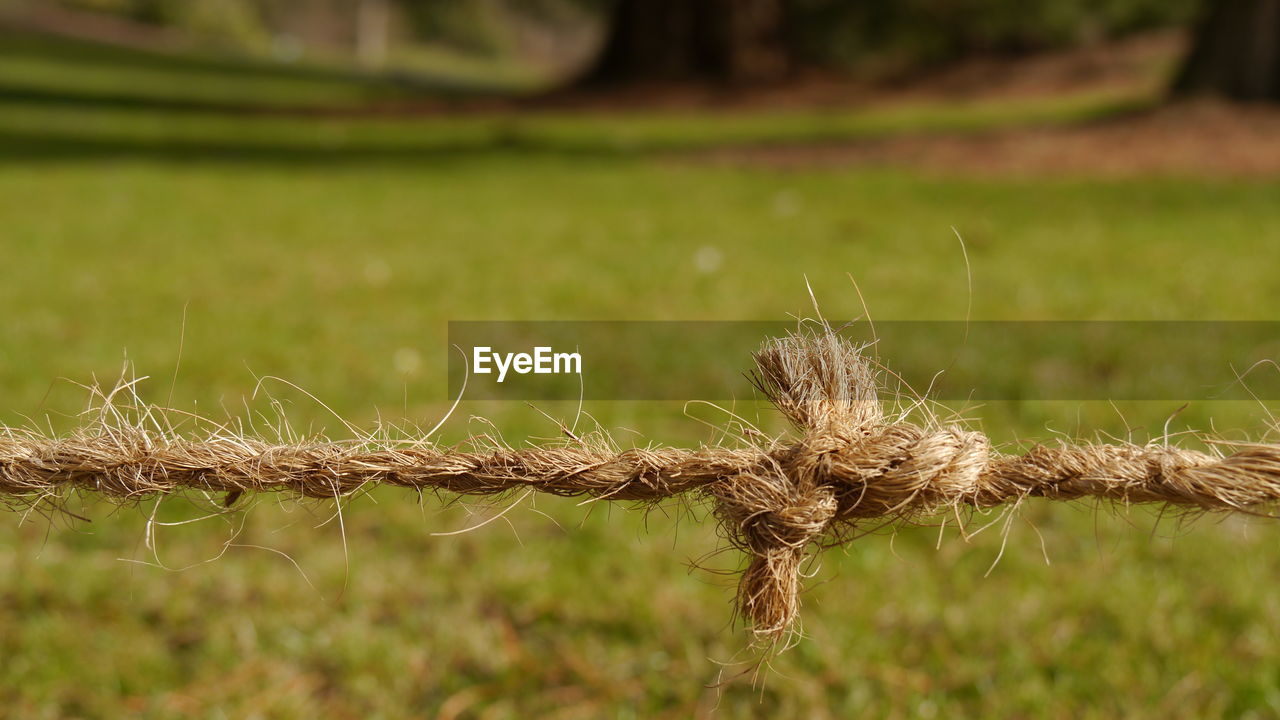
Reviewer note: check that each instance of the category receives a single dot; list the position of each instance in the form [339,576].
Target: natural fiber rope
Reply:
[774,501]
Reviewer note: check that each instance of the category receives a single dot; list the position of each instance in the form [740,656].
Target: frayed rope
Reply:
[774,501]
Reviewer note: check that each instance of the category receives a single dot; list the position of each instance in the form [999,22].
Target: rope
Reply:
[775,501]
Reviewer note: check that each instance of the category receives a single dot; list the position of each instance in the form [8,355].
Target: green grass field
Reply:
[332,252]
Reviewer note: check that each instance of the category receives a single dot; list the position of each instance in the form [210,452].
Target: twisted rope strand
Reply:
[774,502]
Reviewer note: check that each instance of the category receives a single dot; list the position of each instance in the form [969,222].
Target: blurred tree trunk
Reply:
[1236,52]
[734,41]
[373,25]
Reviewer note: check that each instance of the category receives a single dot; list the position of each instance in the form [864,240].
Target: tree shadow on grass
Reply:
[34,147]
[420,93]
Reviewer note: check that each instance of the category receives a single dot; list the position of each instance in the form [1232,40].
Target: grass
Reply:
[41,129]
[74,72]
[336,264]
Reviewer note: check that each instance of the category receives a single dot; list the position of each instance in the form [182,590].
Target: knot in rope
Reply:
[847,466]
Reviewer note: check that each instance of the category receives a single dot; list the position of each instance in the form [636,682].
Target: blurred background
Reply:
[272,208]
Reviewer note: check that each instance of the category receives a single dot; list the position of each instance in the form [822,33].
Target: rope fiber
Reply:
[775,501]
